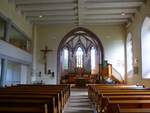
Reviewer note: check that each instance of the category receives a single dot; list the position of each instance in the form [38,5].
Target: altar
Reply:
[81,82]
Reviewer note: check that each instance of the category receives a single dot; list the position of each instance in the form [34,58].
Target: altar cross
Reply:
[45,52]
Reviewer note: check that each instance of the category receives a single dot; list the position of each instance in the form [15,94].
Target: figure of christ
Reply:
[45,52]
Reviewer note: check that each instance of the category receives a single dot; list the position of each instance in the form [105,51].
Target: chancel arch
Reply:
[84,53]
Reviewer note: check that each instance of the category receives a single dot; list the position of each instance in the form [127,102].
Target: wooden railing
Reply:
[112,73]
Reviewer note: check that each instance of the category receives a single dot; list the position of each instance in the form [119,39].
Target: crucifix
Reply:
[45,52]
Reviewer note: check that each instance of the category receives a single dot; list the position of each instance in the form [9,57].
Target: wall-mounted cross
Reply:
[45,52]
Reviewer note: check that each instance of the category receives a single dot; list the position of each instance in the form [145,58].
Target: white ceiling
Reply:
[78,12]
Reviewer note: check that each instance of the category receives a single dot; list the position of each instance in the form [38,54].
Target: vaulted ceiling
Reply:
[78,12]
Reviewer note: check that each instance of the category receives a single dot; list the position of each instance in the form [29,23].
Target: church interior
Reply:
[69,56]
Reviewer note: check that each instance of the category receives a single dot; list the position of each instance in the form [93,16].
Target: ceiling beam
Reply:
[80,12]
[52,18]
[109,16]
[115,1]
[54,22]
[110,11]
[46,7]
[106,21]
[113,5]
[50,13]
[27,2]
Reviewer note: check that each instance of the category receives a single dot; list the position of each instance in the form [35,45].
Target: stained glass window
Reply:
[79,58]
[93,58]
[66,55]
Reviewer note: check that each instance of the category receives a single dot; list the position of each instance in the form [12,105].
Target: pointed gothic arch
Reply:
[84,38]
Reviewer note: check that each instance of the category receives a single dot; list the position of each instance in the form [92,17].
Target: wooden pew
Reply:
[59,102]
[27,105]
[133,110]
[95,95]
[56,94]
[93,89]
[120,94]
[115,105]
[35,91]
[45,87]
[24,109]
[64,88]
[104,101]
[32,97]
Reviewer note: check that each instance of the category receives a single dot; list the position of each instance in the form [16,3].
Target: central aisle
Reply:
[79,102]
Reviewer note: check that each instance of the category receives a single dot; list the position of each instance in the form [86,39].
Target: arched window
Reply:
[93,60]
[79,58]
[65,58]
[145,46]
[129,53]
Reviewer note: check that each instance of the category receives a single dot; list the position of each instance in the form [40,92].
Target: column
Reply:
[3,72]
[8,30]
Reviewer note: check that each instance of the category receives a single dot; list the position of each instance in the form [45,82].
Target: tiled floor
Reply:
[78,102]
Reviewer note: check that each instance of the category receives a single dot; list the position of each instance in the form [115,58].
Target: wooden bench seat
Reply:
[120,99]
[133,95]
[44,106]
[33,97]
[114,105]
[24,109]
[44,88]
[94,89]
[134,110]
[24,95]
[65,90]
[102,102]
[35,94]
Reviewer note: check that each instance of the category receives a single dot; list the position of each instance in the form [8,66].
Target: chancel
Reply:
[71,56]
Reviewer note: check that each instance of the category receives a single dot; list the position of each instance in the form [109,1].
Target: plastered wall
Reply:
[111,36]
[9,11]
[135,29]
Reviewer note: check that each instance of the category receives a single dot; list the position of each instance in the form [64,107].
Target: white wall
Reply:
[135,29]
[8,10]
[13,74]
[111,36]
[24,74]
[14,53]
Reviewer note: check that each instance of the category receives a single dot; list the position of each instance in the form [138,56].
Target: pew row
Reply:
[54,96]
[120,99]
